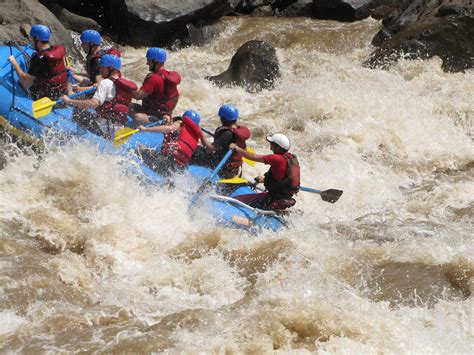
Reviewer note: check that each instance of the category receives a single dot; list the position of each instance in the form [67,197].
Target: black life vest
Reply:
[240,136]
[289,185]
[90,59]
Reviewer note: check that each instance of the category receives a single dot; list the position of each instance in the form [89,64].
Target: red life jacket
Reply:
[54,81]
[241,134]
[117,108]
[289,185]
[164,105]
[183,143]
[93,57]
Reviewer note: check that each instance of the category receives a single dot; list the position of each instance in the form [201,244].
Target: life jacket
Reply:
[164,105]
[117,109]
[93,57]
[289,185]
[53,82]
[241,134]
[182,144]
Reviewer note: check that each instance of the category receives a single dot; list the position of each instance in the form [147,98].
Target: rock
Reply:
[423,29]
[263,11]
[160,22]
[299,8]
[254,66]
[18,17]
[340,10]
[72,21]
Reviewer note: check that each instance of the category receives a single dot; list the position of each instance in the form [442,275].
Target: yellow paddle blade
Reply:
[248,161]
[122,135]
[42,107]
[68,62]
[234,180]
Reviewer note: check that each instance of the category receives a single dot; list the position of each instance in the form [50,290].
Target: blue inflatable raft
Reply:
[17,119]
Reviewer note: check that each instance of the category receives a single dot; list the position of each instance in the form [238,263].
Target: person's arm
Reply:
[247,154]
[162,129]
[26,80]
[209,147]
[139,94]
[84,104]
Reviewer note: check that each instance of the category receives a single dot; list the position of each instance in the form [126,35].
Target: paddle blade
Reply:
[122,135]
[42,107]
[248,161]
[235,180]
[331,195]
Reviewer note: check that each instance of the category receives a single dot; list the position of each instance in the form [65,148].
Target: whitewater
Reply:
[93,260]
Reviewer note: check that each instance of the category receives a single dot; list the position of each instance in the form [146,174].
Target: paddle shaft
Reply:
[209,179]
[77,94]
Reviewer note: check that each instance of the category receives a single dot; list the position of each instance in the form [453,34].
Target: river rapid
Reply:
[93,261]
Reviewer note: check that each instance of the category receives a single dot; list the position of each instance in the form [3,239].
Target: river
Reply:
[93,261]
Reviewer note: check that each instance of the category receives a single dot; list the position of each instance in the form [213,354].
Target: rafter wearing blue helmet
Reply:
[46,75]
[159,92]
[180,141]
[228,113]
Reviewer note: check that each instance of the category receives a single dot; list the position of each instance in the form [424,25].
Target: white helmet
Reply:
[280,140]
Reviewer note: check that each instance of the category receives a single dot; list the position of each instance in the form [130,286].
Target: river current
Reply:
[92,260]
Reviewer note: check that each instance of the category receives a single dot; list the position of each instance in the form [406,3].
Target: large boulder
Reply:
[73,21]
[254,66]
[352,10]
[17,17]
[160,22]
[427,28]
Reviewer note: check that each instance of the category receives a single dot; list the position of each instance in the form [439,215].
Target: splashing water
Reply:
[93,260]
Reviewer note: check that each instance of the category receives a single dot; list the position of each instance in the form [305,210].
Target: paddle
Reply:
[208,180]
[123,134]
[43,106]
[248,161]
[331,195]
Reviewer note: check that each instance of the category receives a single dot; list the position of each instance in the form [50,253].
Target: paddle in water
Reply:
[208,180]
[43,106]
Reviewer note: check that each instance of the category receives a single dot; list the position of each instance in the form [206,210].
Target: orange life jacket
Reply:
[183,143]
[117,108]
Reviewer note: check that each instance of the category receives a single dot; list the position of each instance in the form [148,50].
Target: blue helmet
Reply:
[110,60]
[91,36]
[156,54]
[228,113]
[40,32]
[193,115]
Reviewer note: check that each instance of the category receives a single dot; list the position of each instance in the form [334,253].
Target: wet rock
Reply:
[160,22]
[263,11]
[340,10]
[18,17]
[72,21]
[423,29]
[302,8]
[254,66]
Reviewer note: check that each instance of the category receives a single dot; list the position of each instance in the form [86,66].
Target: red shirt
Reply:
[278,164]
[154,86]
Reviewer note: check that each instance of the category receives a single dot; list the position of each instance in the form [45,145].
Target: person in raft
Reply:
[228,132]
[281,181]
[159,92]
[46,75]
[180,140]
[112,98]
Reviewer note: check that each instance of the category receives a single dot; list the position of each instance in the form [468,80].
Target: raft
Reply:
[17,119]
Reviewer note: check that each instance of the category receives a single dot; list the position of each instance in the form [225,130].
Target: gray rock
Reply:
[72,21]
[263,11]
[159,22]
[19,15]
[299,8]
[427,28]
[254,66]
